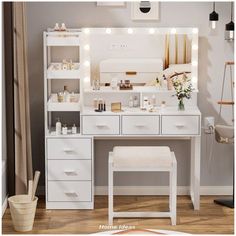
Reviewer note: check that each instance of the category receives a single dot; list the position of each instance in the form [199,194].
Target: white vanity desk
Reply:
[70,158]
[165,123]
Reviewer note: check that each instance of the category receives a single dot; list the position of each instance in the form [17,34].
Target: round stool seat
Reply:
[142,157]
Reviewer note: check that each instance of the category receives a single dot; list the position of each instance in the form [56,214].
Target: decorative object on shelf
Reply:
[131,102]
[126,86]
[101,105]
[58,127]
[153,101]
[95,103]
[65,65]
[145,103]
[164,82]
[74,129]
[96,84]
[135,101]
[183,88]
[116,107]
[60,97]
[114,83]
[56,27]
[158,82]
[145,10]
[229,28]
[163,104]
[213,18]
[64,129]
[66,94]
[73,97]
[63,27]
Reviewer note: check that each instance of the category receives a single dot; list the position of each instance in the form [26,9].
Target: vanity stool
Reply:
[140,158]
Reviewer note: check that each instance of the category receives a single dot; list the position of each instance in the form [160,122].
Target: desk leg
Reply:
[195,171]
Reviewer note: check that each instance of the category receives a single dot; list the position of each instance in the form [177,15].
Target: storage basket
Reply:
[22,212]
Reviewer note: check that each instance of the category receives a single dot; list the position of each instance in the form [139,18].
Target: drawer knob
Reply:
[71,194]
[70,172]
[179,125]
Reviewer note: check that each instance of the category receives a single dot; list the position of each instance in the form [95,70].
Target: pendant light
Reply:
[213,17]
[229,28]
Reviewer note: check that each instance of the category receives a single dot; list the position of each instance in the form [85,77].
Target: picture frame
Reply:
[141,11]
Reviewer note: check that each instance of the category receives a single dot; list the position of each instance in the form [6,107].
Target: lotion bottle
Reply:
[131,102]
[58,127]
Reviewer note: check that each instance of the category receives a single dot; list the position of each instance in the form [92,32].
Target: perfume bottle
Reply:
[66,94]
[135,101]
[64,129]
[154,101]
[74,129]
[58,127]
[145,103]
[131,101]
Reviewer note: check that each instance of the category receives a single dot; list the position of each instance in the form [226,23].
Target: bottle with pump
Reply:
[74,129]
[58,127]
[135,101]
[164,82]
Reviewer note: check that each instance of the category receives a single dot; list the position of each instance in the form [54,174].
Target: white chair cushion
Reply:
[142,157]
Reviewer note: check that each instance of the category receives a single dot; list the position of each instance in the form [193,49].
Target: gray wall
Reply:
[213,51]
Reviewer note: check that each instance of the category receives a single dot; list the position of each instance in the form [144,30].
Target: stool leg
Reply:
[110,190]
[174,193]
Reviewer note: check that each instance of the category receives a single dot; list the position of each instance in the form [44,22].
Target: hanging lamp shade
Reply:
[229,28]
[213,17]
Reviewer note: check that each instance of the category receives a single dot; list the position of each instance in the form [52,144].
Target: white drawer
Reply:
[69,148]
[101,125]
[69,170]
[180,125]
[140,125]
[69,191]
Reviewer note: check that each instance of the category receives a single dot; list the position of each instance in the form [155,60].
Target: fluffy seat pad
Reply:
[142,157]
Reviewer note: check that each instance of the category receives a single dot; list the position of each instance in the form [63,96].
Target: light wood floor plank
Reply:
[211,219]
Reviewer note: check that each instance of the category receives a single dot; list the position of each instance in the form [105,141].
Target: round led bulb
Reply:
[151,31]
[86,47]
[173,31]
[195,47]
[86,63]
[86,31]
[195,30]
[130,31]
[194,63]
[86,79]
[194,79]
[108,30]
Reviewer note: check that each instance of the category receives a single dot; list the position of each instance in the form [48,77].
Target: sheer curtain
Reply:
[23,156]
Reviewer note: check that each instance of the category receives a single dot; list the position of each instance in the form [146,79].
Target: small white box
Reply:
[137,70]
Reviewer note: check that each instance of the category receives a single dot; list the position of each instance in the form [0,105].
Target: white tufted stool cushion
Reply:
[142,157]
[147,159]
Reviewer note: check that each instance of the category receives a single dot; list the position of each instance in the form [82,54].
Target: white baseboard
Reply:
[163,190]
[4,206]
[155,190]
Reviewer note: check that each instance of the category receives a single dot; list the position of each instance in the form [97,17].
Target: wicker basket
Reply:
[22,212]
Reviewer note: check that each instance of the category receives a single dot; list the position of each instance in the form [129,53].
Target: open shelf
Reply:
[52,133]
[63,39]
[54,105]
[53,73]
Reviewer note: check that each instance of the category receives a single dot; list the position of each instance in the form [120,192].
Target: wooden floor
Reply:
[211,219]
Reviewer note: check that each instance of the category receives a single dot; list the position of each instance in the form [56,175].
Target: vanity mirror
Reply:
[140,55]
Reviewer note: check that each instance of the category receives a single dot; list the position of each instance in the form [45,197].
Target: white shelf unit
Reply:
[68,158]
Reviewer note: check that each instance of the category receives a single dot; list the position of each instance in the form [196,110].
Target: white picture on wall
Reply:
[145,10]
